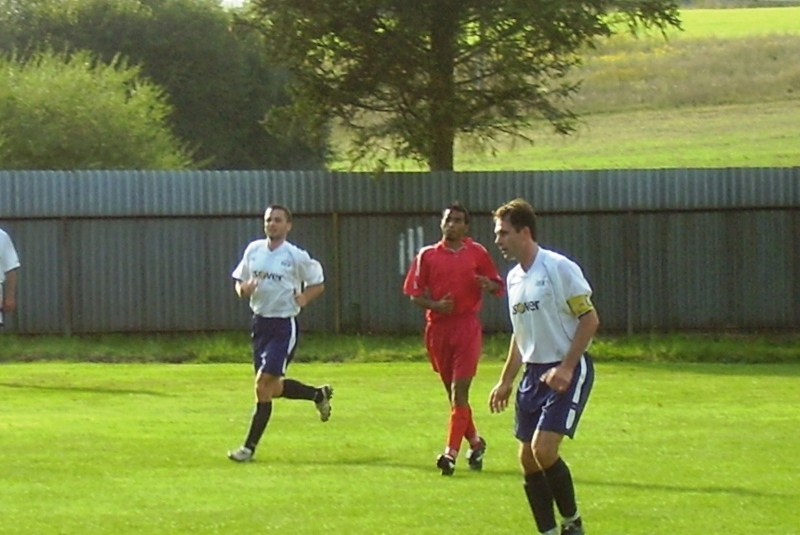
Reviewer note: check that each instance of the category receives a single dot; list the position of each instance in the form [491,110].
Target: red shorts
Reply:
[454,346]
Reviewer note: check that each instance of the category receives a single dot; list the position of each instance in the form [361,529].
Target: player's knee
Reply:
[526,459]
[544,455]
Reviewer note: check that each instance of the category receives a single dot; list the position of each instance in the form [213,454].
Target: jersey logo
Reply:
[521,308]
[268,276]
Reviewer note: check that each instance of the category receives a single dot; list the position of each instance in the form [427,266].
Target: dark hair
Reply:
[281,207]
[457,207]
[519,213]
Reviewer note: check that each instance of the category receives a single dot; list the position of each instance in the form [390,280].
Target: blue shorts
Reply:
[274,340]
[539,407]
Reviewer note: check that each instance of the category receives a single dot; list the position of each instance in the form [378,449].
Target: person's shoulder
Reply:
[295,250]
[431,248]
[255,244]
[554,257]
[563,264]
[472,244]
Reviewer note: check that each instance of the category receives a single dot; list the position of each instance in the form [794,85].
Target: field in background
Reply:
[90,449]
[723,93]
[726,23]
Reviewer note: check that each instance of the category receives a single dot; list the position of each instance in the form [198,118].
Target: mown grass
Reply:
[664,448]
[326,347]
[743,22]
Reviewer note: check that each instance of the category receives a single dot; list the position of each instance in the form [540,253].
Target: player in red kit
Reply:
[448,279]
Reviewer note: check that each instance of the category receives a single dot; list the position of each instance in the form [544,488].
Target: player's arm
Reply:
[588,324]
[245,288]
[313,280]
[488,278]
[559,377]
[500,394]
[311,292]
[9,293]
[443,305]
[415,286]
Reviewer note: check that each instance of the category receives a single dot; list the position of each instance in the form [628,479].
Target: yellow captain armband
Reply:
[580,305]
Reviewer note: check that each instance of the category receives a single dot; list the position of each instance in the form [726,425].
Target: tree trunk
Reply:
[444,31]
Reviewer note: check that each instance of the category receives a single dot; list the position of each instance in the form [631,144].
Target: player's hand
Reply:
[248,287]
[301,299]
[444,305]
[486,283]
[557,378]
[498,397]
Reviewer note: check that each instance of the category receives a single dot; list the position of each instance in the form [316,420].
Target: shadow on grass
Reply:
[709,489]
[389,463]
[85,389]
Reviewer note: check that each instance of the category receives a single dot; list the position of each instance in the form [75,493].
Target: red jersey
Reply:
[439,271]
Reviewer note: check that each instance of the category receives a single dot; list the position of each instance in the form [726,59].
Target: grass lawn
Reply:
[732,23]
[140,448]
[746,134]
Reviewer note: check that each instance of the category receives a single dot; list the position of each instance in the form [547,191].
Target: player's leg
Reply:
[469,340]
[530,401]
[294,389]
[436,346]
[460,415]
[465,339]
[270,339]
[320,395]
[560,418]
[537,491]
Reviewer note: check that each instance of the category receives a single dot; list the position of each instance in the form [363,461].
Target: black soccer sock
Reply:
[560,480]
[540,499]
[293,389]
[258,424]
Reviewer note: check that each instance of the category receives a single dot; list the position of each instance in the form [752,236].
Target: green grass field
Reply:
[732,23]
[140,449]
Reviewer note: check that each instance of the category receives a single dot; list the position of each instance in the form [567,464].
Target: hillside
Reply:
[725,92]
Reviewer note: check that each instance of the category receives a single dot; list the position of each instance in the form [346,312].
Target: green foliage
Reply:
[724,93]
[220,82]
[415,75]
[78,113]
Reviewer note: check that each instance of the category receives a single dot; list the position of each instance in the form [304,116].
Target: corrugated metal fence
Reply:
[153,251]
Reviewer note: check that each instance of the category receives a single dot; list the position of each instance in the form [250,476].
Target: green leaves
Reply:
[416,75]
[74,112]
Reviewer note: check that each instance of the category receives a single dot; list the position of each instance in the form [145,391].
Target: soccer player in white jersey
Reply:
[9,264]
[279,279]
[553,322]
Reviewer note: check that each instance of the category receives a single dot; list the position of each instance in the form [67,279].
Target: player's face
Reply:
[454,225]
[508,239]
[276,224]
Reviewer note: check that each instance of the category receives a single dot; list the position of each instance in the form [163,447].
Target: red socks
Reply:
[461,426]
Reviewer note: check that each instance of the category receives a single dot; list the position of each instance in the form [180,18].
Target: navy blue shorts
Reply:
[274,340]
[539,407]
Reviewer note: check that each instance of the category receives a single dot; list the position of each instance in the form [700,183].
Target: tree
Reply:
[417,74]
[75,112]
[220,82]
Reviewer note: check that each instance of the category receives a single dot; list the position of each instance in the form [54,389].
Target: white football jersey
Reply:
[281,274]
[8,255]
[8,261]
[544,304]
